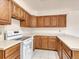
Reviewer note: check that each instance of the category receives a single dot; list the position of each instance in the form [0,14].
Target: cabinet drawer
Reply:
[14,55]
[68,51]
[12,50]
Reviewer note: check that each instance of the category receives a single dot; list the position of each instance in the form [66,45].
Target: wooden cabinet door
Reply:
[37,42]
[54,21]
[26,21]
[5,11]
[47,21]
[33,21]
[59,48]
[16,11]
[23,14]
[44,40]
[52,43]
[62,21]
[40,21]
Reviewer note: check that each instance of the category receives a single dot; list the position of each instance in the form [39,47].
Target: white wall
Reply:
[73,23]
[25,6]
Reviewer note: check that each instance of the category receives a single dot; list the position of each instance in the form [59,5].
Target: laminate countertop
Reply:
[4,44]
[71,41]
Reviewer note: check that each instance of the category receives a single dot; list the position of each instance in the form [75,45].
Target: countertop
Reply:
[71,41]
[4,44]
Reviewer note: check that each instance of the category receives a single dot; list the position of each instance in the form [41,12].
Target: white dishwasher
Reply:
[27,48]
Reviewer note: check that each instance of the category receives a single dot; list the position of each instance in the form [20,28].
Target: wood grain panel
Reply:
[54,21]
[47,21]
[40,21]
[33,21]
[5,12]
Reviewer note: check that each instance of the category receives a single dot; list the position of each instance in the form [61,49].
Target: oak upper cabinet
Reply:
[26,21]
[5,12]
[47,21]
[23,14]
[11,53]
[62,21]
[40,21]
[44,42]
[15,10]
[33,21]
[54,21]
[37,42]
[52,42]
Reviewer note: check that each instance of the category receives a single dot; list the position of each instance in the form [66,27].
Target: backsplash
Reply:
[47,30]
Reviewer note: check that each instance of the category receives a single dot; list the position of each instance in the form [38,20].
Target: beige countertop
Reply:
[71,41]
[4,44]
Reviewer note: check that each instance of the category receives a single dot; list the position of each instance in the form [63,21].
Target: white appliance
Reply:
[26,45]
[1,36]
[27,49]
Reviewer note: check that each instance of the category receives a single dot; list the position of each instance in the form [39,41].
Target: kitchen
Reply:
[44,29]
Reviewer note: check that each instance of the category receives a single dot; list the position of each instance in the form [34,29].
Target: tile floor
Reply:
[45,54]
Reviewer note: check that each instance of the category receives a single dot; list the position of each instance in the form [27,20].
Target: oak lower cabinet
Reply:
[65,55]
[59,48]
[52,41]
[11,53]
[45,42]
[37,42]
[5,12]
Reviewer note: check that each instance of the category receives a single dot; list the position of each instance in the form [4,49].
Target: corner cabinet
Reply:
[11,53]
[5,12]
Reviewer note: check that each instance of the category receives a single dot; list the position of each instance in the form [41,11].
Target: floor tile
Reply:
[45,54]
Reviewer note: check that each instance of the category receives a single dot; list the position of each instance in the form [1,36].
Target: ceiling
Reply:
[47,5]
